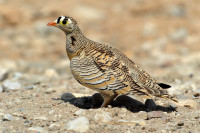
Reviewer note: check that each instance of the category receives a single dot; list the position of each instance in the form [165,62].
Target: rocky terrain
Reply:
[39,94]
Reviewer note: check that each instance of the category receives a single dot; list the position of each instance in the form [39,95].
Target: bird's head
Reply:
[67,24]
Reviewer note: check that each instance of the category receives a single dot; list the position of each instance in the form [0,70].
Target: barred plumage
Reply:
[105,69]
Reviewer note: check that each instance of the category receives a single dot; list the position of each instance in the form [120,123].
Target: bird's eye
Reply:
[64,21]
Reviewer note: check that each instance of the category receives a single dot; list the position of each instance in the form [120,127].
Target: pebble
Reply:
[140,122]
[142,115]
[3,74]
[8,64]
[54,127]
[179,35]
[51,111]
[51,73]
[28,87]
[80,124]
[180,123]
[28,123]
[149,29]
[196,92]
[37,129]
[155,114]
[102,116]
[67,97]
[1,89]
[21,109]
[11,85]
[7,117]
[79,112]
[40,118]
[176,11]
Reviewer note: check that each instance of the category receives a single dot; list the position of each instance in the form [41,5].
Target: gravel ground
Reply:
[39,94]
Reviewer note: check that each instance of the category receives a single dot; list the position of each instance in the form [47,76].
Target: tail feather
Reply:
[164,86]
[168,97]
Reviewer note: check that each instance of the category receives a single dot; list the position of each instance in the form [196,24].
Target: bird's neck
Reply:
[75,42]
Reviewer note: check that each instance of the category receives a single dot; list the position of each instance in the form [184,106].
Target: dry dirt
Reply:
[39,94]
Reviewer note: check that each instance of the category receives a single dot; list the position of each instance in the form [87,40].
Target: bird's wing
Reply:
[111,66]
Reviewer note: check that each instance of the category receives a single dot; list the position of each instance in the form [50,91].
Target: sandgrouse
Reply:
[105,69]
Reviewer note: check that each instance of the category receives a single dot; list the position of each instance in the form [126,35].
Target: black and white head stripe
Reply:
[58,20]
[64,20]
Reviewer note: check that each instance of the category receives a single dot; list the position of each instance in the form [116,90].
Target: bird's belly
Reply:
[90,76]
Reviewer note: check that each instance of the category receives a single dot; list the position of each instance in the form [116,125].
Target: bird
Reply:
[105,69]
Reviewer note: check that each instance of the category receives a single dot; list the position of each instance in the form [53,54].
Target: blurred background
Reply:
[162,36]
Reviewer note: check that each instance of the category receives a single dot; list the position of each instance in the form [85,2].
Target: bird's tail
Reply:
[168,97]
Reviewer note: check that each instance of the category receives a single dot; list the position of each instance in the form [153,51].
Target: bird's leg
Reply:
[107,99]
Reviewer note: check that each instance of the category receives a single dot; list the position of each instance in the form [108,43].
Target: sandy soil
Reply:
[39,94]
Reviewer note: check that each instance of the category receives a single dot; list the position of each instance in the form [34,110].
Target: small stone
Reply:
[180,96]
[40,118]
[51,73]
[7,117]
[51,111]
[28,87]
[196,92]
[3,74]
[8,64]
[80,124]
[173,105]
[21,109]
[50,90]
[67,97]
[149,103]
[102,116]
[142,115]
[149,29]
[54,127]
[180,124]
[80,111]
[37,129]
[179,35]
[176,11]
[17,75]
[11,85]
[139,122]
[155,114]
[28,123]
[1,89]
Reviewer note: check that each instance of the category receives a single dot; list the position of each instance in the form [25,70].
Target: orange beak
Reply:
[52,24]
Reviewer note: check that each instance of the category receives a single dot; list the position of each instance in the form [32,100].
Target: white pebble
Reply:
[11,85]
[80,111]
[51,111]
[7,117]
[40,118]
[51,73]
[1,88]
[80,124]
[103,117]
[3,74]
[37,129]
[54,126]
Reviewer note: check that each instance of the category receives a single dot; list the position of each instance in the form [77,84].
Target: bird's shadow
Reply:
[129,103]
